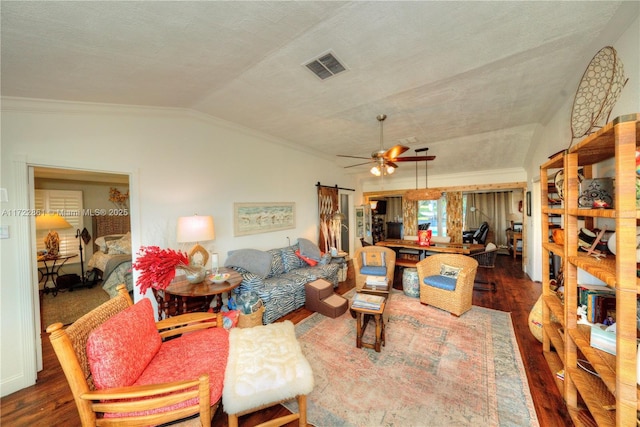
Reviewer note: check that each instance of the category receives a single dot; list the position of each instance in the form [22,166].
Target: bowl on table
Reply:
[219,277]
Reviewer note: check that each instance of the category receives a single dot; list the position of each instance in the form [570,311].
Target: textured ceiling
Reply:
[480,73]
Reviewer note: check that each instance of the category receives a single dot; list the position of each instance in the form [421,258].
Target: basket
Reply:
[251,320]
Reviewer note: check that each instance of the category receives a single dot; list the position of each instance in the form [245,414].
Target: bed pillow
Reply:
[120,246]
[252,260]
[101,242]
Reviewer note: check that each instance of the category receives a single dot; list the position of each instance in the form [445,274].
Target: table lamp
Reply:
[51,222]
[196,229]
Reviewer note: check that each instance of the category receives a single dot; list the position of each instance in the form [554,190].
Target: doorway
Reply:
[92,191]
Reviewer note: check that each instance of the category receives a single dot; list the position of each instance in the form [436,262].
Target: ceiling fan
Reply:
[385,160]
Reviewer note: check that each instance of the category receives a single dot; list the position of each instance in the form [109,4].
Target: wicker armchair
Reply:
[456,301]
[149,402]
[390,263]
[486,259]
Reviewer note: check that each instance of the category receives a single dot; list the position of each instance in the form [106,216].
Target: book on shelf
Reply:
[601,307]
[591,296]
[368,301]
[585,290]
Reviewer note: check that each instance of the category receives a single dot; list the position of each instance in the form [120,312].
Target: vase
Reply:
[410,282]
[195,275]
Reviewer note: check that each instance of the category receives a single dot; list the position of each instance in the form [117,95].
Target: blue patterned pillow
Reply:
[277,266]
[290,259]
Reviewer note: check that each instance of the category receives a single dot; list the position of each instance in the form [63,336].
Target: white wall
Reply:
[179,163]
[556,135]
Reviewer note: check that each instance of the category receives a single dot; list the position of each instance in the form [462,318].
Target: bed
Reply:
[111,260]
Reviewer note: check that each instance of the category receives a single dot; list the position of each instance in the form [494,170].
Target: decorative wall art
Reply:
[528,197]
[255,218]
[597,93]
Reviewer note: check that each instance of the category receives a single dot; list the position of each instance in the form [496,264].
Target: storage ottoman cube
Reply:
[315,292]
[319,297]
[333,306]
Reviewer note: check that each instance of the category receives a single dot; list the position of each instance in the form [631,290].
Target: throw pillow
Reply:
[449,271]
[116,354]
[290,259]
[374,259]
[277,263]
[311,262]
[252,260]
[309,249]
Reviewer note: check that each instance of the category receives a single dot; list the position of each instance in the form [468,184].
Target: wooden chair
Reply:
[140,405]
[358,264]
[434,282]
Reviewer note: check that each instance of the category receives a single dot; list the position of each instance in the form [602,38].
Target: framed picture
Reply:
[528,203]
[254,218]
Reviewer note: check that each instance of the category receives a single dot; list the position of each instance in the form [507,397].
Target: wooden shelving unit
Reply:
[611,397]
[553,337]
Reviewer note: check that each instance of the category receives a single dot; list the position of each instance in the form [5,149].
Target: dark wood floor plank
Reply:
[49,403]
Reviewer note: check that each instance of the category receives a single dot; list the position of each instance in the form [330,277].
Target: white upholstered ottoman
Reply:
[265,367]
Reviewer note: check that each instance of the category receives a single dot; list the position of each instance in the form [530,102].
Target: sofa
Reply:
[279,275]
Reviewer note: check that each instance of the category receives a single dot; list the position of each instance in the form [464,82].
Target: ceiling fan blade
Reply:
[395,151]
[414,158]
[352,157]
[359,164]
[388,163]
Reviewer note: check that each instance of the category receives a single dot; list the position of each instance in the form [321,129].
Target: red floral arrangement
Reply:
[158,266]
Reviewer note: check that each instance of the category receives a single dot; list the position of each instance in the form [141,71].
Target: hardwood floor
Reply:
[49,403]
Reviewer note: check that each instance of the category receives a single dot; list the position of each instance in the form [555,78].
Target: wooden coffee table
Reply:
[363,316]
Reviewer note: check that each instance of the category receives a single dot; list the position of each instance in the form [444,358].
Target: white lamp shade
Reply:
[51,222]
[195,229]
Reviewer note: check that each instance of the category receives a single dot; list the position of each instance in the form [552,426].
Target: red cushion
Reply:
[186,358]
[120,349]
[311,262]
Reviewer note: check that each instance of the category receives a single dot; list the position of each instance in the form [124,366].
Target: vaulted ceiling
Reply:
[469,80]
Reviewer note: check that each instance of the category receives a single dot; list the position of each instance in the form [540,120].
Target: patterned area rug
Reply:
[435,370]
[67,307]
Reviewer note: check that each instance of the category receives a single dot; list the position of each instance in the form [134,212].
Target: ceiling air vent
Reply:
[325,66]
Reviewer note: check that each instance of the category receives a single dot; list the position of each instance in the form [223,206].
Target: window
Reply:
[435,213]
[67,204]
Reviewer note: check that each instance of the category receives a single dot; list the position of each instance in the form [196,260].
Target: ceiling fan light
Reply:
[375,170]
[390,170]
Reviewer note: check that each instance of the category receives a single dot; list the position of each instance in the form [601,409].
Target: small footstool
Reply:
[265,367]
[319,297]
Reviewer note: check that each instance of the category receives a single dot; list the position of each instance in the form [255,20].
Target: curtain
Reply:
[454,216]
[327,206]
[493,208]
[394,209]
[410,217]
